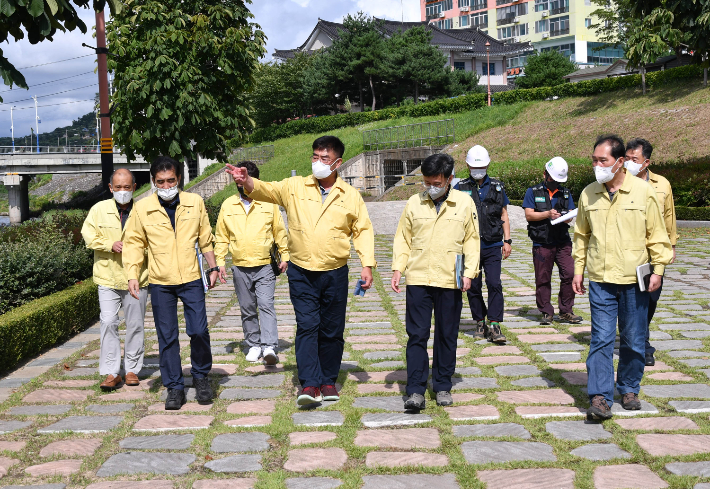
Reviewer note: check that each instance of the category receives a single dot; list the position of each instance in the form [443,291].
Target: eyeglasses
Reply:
[324,160]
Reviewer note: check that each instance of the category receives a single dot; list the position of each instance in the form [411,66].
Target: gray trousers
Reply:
[110,302]
[255,287]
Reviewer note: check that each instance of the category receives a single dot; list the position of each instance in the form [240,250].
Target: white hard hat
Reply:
[477,157]
[557,168]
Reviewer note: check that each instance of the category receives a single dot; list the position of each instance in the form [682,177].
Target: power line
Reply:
[51,81]
[51,94]
[49,105]
[53,62]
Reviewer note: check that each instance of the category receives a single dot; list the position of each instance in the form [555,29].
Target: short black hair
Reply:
[437,164]
[618,150]
[165,163]
[330,143]
[251,167]
[646,148]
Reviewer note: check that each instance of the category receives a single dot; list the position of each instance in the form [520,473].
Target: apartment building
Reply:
[563,25]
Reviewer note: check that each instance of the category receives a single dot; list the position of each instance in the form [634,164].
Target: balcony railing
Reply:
[506,20]
[432,16]
[559,32]
[481,26]
[558,11]
[503,2]
[479,6]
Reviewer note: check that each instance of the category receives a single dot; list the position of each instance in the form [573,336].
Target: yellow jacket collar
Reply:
[312,181]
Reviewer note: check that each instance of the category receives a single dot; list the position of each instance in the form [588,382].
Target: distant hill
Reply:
[82,132]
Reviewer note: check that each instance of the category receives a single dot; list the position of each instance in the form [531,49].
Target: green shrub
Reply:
[209,170]
[469,102]
[41,257]
[28,329]
[692,213]
[214,203]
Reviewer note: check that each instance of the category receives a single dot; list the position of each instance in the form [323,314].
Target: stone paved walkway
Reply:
[518,421]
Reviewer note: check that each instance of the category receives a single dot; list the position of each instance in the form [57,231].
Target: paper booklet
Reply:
[205,283]
[459,271]
[565,217]
[643,275]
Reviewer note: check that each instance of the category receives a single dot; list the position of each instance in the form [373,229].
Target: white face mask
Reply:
[604,173]
[321,170]
[436,192]
[123,196]
[634,168]
[478,173]
[168,194]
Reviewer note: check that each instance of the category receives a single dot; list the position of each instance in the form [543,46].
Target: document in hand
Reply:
[459,271]
[202,268]
[566,217]
[643,275]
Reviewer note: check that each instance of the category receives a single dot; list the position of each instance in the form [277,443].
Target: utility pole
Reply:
[12,128]
[66,138]
[36,122]
[106,145]
[488,70]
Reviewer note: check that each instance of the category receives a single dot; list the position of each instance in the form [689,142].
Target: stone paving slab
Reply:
[631,476]
[691,406]
[379,420]
[306,459]
[577,430]
[81,447]
[659,445]
[54,409]
[386,403]
[669,423]
[481,452]
[235,463]
[696,469]
[698,391]
[54,468]
[146,463]
[600,451]
[478,412]
[410,481]
[168,422]
[492,430]
[158,442]
[402,459]
[312,483]
[315,419]
[407,438]
[527,478]
[83,424]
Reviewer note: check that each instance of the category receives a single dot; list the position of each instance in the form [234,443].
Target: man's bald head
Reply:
[123,179]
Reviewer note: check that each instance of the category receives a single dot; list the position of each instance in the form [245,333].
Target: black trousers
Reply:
[319,301]
[446,304]
[652,303]
[491,263]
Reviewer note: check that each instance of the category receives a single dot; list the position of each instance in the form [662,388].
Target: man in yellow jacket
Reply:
[436,226]
[619,227]
[323,213]
[248,229]
[104,232]
[638,159]
[168,224]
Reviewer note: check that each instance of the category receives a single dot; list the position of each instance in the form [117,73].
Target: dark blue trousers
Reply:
[491,263]
[653,298]
[447,304]
[164,300]
[319,300]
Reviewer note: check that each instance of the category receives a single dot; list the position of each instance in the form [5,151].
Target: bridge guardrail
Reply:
[52,150]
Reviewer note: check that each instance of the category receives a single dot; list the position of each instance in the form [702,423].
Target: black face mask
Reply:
[551,184]
[241,191]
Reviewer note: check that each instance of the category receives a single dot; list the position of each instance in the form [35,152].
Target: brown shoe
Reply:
[630,402]
[111,382]
[132,379]
[599,409]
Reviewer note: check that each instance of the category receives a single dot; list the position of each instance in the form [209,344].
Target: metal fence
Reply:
[257,154]
[51,149]
[434,133]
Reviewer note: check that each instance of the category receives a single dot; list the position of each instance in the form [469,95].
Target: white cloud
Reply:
[391,9]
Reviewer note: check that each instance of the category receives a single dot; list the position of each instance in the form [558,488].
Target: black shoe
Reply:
[568,317]
[650,360]
[546,318]
[176,398]
[203,390]
[480,331]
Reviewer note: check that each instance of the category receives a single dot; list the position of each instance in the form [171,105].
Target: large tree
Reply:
[183,70]
[546,69]
[410,58]
[40,19]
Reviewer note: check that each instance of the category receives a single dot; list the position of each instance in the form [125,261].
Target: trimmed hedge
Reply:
[471,102]
[32,327]
[692,213]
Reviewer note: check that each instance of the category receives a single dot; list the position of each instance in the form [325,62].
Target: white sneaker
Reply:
[270,357]
[254,354]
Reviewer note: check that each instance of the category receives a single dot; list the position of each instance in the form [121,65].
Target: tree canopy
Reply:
[40,19]
[546,69]
[183,72]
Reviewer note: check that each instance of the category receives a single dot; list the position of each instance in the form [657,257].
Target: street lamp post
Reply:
[488,70]
[12,128]
[36,122]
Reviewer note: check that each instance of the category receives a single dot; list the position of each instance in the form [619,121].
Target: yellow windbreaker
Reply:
[249,236]
[101,229]
[319,232]
[427,242]
[665,202]
[171,253]
[612,238]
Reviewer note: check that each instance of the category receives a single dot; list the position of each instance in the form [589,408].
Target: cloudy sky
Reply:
[286,23]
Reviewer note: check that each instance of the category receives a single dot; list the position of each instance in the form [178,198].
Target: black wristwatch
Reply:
[210,270]
[509,241]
